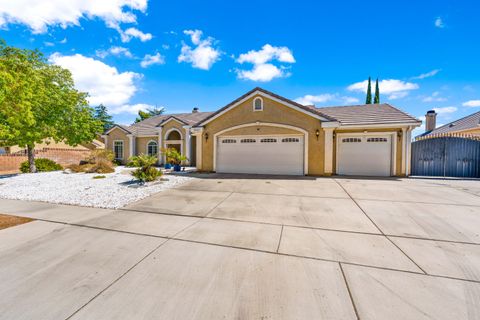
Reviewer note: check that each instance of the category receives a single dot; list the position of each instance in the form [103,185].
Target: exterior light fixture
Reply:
[206,136]
[400,133]
[317,133]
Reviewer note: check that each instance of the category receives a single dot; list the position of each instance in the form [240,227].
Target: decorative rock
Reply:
[67,171]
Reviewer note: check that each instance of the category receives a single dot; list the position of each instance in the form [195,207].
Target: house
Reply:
[469,126]
[264,133]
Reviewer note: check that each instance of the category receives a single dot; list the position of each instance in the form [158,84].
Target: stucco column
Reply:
[328,164]
[188,147]
[131,141]
[404,150]
[198,133]
[160,146]
[105,140]
[409,151]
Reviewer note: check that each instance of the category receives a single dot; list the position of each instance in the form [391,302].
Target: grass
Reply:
[99,177]
[7,221]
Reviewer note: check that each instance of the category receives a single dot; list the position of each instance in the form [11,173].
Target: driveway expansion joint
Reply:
[349,291]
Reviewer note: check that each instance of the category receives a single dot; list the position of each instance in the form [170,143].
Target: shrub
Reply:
[42,164]
[101,155]
[146,171]
[100,167]
[99,177]
[173,156]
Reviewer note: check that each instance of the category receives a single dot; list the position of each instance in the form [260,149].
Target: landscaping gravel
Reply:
[114,191]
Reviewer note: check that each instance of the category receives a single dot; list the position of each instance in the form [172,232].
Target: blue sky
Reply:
[132,54]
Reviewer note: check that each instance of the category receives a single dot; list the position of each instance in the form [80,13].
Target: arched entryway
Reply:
[174,139]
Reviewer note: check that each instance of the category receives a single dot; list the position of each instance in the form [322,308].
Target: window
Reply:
[152,148]
[268,140]
[258,104]
[347,140]
[290,140]
[229,141]
[377,140]
[247,141]
[118,149]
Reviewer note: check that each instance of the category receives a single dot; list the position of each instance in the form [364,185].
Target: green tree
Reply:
[39,101]
[376,99]
[369,92]
[142,115]
[101,114]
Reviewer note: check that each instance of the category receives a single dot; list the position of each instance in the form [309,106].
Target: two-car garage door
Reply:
[260,154]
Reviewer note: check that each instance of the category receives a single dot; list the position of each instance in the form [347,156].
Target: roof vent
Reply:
[195,110]
[451,125]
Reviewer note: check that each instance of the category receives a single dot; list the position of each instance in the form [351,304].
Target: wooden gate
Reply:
[446,156]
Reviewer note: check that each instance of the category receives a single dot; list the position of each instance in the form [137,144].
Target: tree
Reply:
[142,115]
[369,92]
[101,114]
[39,101]
[376,99]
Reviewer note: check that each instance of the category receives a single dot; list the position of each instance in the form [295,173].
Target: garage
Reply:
[364,155]
[260,154]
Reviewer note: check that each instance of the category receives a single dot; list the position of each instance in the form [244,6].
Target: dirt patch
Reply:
[7,221]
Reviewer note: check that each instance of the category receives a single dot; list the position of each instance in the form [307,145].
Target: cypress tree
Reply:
[377,93]
[369,92]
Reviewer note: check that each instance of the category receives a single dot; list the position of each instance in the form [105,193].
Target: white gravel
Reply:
[115,191]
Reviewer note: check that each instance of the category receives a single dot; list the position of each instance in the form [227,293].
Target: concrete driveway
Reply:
[251,247]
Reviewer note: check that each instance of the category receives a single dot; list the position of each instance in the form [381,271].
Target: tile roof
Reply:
[469,122]
[367,114]
[149,126]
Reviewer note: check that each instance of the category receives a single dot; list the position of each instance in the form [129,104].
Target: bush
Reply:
[101,155]
[146,171]
[99,177]
[42,164]
[100,167]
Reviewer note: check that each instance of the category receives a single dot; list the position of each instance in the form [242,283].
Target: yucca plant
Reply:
[146,171]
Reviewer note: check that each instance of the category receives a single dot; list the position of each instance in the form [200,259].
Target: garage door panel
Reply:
[365,155]
[260,155]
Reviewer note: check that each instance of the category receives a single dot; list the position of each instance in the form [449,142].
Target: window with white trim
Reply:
[247,141]
[258,104]
[229,141]
[377,140]
[290,140]
[268,140]
[348,140]
[118,149]
[152,148]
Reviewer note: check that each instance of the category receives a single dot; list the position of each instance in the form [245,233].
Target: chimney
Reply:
[430,120]
[195,110]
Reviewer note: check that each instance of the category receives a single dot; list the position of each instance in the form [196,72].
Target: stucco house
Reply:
[468,126]
[264,133]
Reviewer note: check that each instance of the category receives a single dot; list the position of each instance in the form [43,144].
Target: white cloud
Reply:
[149,60]
[263,68]
[38,15]
[104,83]
[471,103]
[115,51]
[395,89]
[203,55]
[48,44]
[439,23]
[434,97]
[326,97]
[427,74]
[131,108]
[130,33]
[63,41]
[445,110]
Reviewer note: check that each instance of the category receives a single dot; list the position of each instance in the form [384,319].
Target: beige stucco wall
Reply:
[141,144]
[273,112]
[259,130]
[398,163]
[177,125]
[118,134]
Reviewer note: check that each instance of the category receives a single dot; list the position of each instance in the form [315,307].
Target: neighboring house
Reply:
[264,133]
[466,126]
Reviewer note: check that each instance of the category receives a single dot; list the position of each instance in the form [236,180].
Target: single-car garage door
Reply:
[365,155]
[260,154]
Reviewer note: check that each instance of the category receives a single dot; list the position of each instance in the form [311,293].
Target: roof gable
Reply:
[267,94]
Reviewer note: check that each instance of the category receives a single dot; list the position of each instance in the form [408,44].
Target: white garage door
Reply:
[364,155]
[260,154]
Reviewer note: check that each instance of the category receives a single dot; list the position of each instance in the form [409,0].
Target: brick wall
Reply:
[10,163]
